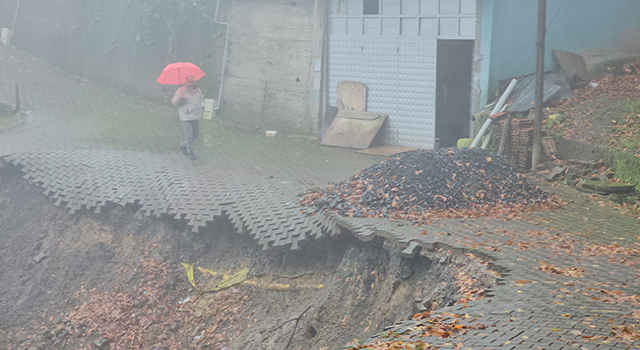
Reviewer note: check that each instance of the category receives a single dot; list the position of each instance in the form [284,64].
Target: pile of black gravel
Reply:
[422,181]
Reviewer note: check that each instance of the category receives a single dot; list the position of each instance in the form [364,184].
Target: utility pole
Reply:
[537,122]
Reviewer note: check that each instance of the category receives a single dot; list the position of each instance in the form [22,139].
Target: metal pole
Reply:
[537,122]
[224,56]
[15,17]
[17,98]
[324,83]
[496,109]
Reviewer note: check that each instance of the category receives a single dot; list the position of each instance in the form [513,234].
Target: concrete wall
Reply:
[124,44]
[121,44]
[509,28]
[270,80]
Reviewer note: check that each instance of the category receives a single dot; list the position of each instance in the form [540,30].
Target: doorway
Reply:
[453,90]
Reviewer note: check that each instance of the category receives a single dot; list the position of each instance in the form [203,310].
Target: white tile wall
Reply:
[394,53]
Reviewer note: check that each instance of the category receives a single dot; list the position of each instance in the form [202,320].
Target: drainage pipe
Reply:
[224,58]
[495,110]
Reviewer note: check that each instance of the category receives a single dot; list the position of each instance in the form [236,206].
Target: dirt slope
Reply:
[114,280]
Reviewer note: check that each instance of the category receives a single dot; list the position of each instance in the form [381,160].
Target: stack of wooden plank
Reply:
[519,142]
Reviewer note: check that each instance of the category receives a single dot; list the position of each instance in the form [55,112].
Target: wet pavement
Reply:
[569,278]
[88,146]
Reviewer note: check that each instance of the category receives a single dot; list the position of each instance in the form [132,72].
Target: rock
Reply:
[45,334]
[39,257]
[556,172]
[604,188]
[175,325]
[604,178]
[38,342]
[200,308]
[170,285]
[63,333]
[185,343]
[58,343]
[572,183]
[20,338]
[37,246]
[196,331]
[621,198]
[418,307]
[406,269]
[584,163]
[411,250]
[101,343]
[59,329]
[156,255]
[570,176]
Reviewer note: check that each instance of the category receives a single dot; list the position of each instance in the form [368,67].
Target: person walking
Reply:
[190,101]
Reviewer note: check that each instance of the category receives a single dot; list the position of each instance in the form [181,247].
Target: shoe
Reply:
[191,156]
[183,147]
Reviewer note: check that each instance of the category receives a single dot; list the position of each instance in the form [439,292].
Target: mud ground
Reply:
[60,270]
[585,131]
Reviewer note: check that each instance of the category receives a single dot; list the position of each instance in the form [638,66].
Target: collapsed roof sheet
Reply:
[524,94]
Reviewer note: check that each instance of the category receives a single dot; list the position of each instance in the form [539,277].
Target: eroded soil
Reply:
[115,280]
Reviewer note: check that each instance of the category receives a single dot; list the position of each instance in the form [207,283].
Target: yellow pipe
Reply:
[13,29]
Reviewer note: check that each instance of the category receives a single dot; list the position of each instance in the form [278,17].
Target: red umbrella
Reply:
[174,73]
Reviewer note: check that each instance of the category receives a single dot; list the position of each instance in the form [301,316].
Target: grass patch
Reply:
[627,168]
[631,106]
[625,141]
[7,121]
[624,131]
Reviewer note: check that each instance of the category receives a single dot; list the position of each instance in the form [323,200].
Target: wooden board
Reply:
[351,96]
[354,129]
[549,146]
[386,151]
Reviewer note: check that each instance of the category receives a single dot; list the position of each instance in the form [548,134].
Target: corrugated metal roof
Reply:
[524,94]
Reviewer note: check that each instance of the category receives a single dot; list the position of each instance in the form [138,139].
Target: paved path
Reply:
[595,289]
[568,278]
[88,146]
